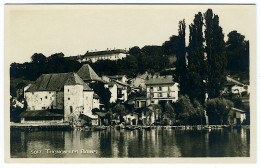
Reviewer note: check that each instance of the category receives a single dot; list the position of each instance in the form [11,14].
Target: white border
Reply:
[4,165]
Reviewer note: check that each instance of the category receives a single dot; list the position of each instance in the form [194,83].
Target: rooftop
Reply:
[88,74]
[56,82]
[160,80]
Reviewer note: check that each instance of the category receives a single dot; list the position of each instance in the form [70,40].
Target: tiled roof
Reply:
[160,80]
[231,81]
[41,113]
[56,82]
[88,74]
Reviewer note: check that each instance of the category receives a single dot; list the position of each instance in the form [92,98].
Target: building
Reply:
[131,119]
[234,87]
[140,80]
[141,102]
[58,97]
[112,86]
[161,88]
[87,74]
[240,116]
[119,78]
[113,55]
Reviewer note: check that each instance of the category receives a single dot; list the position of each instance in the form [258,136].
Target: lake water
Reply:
[131,143]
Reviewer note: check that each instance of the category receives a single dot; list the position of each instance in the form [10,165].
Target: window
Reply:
[49,92]
[151,88]
[41,99]
[152,102]
[160,95]
[71,109]
[46,97]
[169,95]
[160,88]
[68,98]
[152,95]
[169,89]
[68,90]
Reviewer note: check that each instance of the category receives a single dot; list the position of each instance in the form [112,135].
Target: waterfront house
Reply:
[240,116]
[53,93]
[131,119]
[161,88]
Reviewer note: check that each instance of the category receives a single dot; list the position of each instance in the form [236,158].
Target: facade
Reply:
[240,116]
[140,102]
[64,92]
[131,119]
[113,90]
[117,88]
[161,89]
[102,55]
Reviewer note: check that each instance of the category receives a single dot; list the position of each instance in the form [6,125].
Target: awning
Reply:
[101,114]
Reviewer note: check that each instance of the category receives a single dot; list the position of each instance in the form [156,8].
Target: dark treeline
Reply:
[40,64]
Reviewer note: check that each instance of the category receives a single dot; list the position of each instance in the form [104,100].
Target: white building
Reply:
[161,89]
[57,97]
[102,55]
[112,86]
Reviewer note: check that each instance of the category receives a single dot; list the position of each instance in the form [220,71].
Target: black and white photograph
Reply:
[130,81]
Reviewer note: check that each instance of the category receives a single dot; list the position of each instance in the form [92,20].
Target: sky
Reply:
[75,29]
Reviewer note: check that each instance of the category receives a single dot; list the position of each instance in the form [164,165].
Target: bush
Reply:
[218,110]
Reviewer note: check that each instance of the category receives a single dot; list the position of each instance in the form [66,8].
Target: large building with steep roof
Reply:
[87,74]
[56,95]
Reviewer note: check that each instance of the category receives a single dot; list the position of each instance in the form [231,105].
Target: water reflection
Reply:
[131,143]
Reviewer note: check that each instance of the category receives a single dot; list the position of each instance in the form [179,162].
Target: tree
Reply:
[38,58]
[184,109]
[237,53]
[171,47]
[218,110]
[120,111]
[181,66]
[102,92]
[216,57]
[196,61]
[199,116]
[169,112]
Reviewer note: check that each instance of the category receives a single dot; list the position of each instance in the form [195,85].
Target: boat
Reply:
[129,127]
[99,128]
[147,127]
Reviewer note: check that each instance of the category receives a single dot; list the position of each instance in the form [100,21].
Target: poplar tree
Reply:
[181,67]
[216,58]
[196,60]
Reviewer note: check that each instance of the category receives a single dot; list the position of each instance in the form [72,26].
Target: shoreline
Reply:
[66,126]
